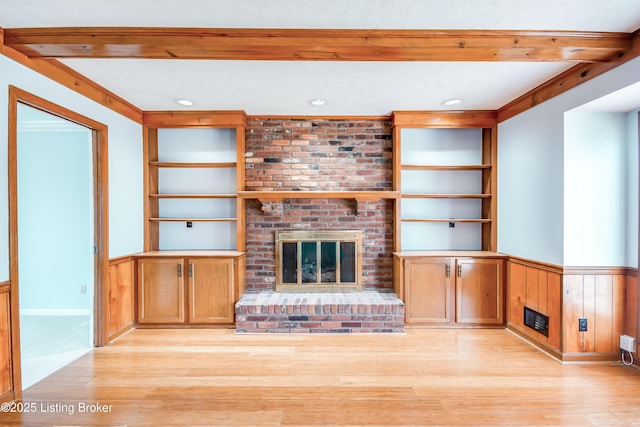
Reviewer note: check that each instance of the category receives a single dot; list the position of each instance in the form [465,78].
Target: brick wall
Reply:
[314,155]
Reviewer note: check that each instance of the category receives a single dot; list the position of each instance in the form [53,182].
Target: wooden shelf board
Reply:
[480,220]
[193,219]
[444,168]
[279,195]
[444,196]
[193,164]
[192,196]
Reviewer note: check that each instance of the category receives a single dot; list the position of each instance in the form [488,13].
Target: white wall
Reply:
[531,169]
[55,217]
[125,159]
[632,189]
[595,181]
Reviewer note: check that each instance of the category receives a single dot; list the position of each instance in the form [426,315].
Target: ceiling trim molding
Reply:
[567,80]
[316,44]
[71,79]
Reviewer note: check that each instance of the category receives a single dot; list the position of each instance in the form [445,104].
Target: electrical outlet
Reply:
[582,324]
[627,343]
[83,289]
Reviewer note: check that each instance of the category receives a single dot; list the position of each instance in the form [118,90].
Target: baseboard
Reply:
[543,347]
[590,357]
[125,329]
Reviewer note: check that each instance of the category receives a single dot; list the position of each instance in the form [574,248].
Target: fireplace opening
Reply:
[318,261]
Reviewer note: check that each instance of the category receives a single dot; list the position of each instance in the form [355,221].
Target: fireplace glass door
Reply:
[315,261]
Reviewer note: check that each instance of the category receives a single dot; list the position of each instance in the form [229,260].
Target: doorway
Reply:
[55,250]
[57,232]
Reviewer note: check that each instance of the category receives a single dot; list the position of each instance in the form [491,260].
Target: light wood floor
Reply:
[431,377]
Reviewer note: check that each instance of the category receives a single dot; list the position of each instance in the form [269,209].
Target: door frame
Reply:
[101,221]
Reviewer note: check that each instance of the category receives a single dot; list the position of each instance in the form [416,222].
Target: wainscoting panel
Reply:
[121,296]
[6,375]
[633,314]
[537,286]
[599,295]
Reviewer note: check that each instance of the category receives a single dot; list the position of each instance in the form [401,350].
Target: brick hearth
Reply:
[368,311]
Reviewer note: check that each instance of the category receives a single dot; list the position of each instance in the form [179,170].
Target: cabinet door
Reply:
[211,290]
[428,291]
[161,290]
[479,295]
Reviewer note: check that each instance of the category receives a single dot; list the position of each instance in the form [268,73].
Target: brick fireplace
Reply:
[304,155]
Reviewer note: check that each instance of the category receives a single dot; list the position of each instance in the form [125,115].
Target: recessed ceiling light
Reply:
[317,102]
[452,102]
[184,102]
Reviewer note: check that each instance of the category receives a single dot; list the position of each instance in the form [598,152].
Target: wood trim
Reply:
[545,348]
[590,357]
[101,209]
[606,271]
[316,44]
[60,73]
[303,117]
[121,259]
[185,119]
[567,80]
[554,268]
[14,309]
[445,119]
[5,287]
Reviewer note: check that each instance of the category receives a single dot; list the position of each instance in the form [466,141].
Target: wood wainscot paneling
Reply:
[597,294]
[632,313]
[6,356]
[537,286]
[122,313]
[632,324]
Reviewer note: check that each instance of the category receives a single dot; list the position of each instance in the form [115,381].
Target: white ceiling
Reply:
[350,88]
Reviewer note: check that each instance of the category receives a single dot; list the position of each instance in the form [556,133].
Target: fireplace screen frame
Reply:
[299,237]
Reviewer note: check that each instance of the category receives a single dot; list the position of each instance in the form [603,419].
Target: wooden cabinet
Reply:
[210,290]
[187,290]
[161,287]
[453,291]
[428,290]
[479,291]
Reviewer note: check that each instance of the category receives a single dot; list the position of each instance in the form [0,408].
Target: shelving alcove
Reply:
[446,268]
[192,269]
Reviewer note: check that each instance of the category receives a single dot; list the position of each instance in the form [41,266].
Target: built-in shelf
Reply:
[480,220]
[193,219]
[193,196]
[193,164]
[444,168]
[444,196]
[280,195]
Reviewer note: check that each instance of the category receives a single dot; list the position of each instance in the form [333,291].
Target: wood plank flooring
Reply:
[426,377]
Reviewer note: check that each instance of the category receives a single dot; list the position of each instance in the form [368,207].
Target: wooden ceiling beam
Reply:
[569,79]
[316,45]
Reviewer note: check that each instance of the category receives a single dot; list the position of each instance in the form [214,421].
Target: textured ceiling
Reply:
[350,88]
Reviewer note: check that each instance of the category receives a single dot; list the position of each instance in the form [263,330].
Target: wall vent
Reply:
[536,321]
